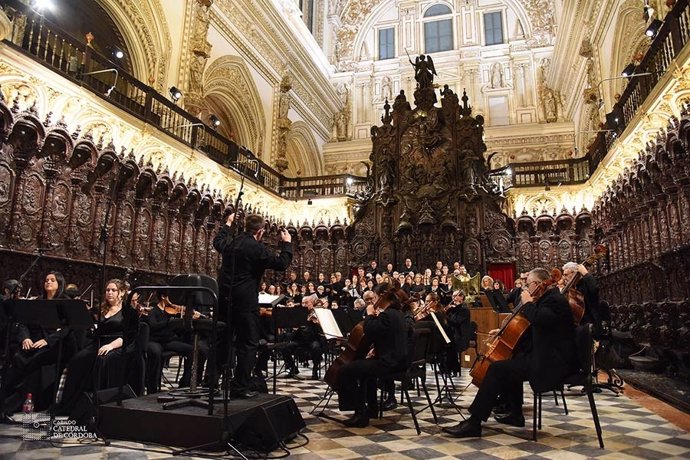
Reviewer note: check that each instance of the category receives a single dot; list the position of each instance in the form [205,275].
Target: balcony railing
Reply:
[672,36]
[81,64]
[558,172]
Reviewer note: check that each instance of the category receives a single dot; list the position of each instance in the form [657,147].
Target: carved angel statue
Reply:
[424,71]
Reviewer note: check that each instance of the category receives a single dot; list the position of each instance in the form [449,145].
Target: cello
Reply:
[510,333]
[358,344]
[575,297]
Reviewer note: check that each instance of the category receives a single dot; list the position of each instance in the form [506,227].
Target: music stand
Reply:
[51,314]
[285,318]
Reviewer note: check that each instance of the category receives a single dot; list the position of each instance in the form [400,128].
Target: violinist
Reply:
[460,326]
[551,357]
[163,338]
[388,333]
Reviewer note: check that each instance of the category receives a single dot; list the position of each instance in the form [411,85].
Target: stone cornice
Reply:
[258,29]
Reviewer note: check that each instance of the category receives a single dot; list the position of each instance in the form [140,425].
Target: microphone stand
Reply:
[103,238]
[28,271]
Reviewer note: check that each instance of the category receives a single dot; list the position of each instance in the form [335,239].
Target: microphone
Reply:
[50,247]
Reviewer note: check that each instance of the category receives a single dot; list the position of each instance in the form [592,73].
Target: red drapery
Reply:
[503,272]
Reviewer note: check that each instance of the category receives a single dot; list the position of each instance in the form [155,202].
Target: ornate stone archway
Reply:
[146,32]
[230,89]
[303,152]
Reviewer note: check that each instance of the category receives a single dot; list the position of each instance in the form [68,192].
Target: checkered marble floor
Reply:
[630,431]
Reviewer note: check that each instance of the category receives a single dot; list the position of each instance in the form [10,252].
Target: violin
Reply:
[178,310]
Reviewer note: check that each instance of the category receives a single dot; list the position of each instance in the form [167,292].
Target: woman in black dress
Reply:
[33,367]
[103,349]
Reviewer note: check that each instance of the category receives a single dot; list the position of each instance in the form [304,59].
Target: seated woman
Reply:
[356,381]
[33,367]
[106,347]
[497,298]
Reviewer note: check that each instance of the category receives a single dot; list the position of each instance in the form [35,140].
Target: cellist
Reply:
[550,358]
[388,333]
[589,288]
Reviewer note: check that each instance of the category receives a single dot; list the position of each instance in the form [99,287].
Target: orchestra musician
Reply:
[106,346]
[244,261]
[551,357]
[39,348]
[460,326]
[163,338]
[388,333]
[589,288]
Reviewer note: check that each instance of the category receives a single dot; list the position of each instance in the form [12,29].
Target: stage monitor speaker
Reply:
[269,425]
[84,411]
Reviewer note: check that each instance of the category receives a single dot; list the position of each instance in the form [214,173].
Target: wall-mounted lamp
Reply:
[118,53]
[508,172]
[653,28]
[215,121]
[110,90]
[618,77]
[349,181]
[629,70]
[175,94]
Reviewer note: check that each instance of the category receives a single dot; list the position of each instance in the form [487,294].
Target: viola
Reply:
[513,329]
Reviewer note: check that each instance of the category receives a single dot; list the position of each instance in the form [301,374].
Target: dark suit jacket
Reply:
[553,353]
[388,332]
[251,258]
[461,326]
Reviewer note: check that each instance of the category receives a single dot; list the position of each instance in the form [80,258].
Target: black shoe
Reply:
[501,409]
[512,420]
[293,372]
[357,421]
[259,374]
[315,375]
[246,394]
[389,404]
[464,429]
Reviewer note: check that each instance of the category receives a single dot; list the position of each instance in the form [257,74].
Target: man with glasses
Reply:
[550,358]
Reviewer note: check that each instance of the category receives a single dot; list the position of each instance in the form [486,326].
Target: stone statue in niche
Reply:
[342,119]
[386,88]
[424,71]
[497,79]
[284,99]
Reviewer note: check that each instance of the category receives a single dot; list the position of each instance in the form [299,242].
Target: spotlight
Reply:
[118,53]
[215,122]
[629,70]
[41,5]
[653,28]
[349,181]
[175,94]
[509,172]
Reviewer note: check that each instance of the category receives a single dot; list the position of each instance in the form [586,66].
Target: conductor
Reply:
[244,262]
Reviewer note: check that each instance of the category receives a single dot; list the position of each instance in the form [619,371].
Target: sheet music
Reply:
[440,328]
[328,324]
[268,299]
